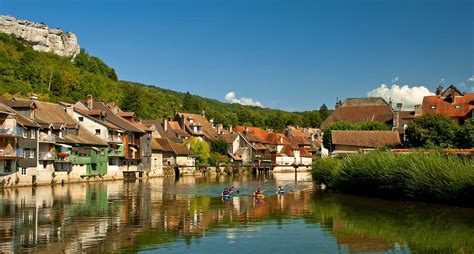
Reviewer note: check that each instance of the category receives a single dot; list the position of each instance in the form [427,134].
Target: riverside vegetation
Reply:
[419,176]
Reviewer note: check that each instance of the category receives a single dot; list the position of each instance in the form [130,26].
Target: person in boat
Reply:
[281,189]
[258,192]
[226,192]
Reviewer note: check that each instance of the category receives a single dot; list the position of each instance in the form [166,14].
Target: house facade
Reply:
[350,141]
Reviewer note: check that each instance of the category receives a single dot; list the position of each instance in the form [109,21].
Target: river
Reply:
[187,215]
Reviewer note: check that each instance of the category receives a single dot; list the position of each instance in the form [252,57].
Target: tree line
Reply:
[54,78]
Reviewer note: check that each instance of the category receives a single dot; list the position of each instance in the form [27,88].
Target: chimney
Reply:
[338,102]
[203,114]
[219,128]
[280,139]
[33,96]
[439,90]
[165,125]
[399,106]
[246,130]
[90,101]
[230,129]
[418,110]
[453,96]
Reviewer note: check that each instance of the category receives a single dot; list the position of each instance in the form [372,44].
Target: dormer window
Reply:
[81,119]
[433,106]
[458,106]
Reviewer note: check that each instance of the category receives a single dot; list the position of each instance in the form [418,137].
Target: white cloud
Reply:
[409,96]
[471,79]
[231,97]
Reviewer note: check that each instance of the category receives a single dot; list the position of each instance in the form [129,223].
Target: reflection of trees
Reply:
[364,224]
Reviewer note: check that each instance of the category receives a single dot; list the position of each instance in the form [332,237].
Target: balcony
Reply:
[11,153]
[114,139]
[7,131]
[47,156]
[45,138]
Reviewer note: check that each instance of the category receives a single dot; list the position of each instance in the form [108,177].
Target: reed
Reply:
[420,176]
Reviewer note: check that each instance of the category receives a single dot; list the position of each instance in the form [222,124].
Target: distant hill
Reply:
[54,78]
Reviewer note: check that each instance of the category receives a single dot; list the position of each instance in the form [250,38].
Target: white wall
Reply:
[91,125]
[156,164]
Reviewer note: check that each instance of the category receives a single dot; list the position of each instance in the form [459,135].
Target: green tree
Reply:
[324,112]
[192,104]
[465,134]
[132,101]
[219,145]
[339,125]
[201,149]
[431,130]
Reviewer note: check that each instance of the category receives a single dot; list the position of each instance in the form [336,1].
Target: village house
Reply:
[66,152]
[360,110]
[308,138]
[25,131]
[239,148]
[450,102]
[166,129]
[175,156]
[350,141]
[275,149]
[135,137]
[196,125]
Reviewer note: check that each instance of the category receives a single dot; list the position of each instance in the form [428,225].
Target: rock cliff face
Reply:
[41,37]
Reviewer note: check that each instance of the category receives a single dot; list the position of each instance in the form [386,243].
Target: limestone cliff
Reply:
[41,37]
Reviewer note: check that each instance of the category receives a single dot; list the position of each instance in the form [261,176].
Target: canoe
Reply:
[260,195]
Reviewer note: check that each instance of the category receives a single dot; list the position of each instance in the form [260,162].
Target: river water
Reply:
[187,215]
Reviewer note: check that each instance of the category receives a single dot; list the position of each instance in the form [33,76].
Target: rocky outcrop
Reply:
[41,37]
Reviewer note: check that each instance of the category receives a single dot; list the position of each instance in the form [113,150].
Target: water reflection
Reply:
[188,214]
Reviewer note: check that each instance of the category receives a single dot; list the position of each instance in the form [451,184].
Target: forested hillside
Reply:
[55,78]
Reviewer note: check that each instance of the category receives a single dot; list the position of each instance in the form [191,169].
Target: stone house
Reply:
[196,125]
[350,141]
[239,148]
[175,156]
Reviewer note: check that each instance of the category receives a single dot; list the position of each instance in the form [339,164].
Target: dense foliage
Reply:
[421,176]
[345,125]
[436,130]
[200,149]
[55,78]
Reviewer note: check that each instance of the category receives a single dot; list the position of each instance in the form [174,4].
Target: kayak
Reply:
[260,195]
[281,192]
[227,196]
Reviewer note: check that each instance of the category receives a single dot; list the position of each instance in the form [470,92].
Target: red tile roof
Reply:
[444,106]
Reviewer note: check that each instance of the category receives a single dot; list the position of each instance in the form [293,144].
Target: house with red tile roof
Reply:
[351,141]
[360,110]
[450,102]
[275,148]
[196,125]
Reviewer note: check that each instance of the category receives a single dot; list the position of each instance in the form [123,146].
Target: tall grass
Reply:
[420,176]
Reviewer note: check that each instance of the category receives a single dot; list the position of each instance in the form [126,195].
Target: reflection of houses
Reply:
[196,125]
[345,141]
[450,102]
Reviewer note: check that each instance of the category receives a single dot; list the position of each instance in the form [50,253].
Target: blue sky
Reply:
[292,55]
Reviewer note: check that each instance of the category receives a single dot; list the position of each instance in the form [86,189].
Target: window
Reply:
[23,171]
[32,153]
[458,106]
[433,106]
[97,131]
[33,134]
[26,153]
[81,119]
[23,133]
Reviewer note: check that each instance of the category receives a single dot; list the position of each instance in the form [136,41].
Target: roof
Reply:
[21,119]
[207,130]
[259,135]
[462,106]
[48,113]
[368,139]
[155,145]
[83,137]
[87,113]
[168,145]
[229,138]
[114,119]
[360,110]
[21,103]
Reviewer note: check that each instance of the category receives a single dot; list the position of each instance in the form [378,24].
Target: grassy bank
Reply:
[425,177]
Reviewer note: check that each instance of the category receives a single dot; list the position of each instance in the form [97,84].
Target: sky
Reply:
[291,55]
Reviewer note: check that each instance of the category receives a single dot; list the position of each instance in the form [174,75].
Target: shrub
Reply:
[326,170]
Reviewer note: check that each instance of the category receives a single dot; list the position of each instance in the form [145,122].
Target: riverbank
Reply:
[432,177]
